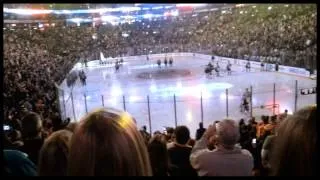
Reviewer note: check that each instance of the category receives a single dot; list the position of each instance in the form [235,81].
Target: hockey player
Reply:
[170,61]
[229,68]
[165,61]
[248,66]
[262,66]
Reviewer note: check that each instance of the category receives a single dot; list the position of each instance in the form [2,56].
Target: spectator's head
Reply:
[182,134]
[170,133]
[253,120]
[170,130]
[158,154]
[227,134]
[71,126]
[265,120]
[53,158]
[286,111]
[31,126]
[15,135]
[294,151]
[144,128]
[241,122]
[273,119]
[107,142]
[201,125]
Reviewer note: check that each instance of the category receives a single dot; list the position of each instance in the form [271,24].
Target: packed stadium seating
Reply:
[35,60]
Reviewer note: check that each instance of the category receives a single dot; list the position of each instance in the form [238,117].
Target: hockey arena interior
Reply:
[159,89]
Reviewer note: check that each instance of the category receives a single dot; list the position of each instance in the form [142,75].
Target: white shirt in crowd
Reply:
[220,161]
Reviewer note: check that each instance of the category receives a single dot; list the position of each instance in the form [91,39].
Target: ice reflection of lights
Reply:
[133,90]
[133,99]
[112,102]
[223,96]
[153,88]
[189,116]
[88,97]
[206,94]
[179,85]
[116,91]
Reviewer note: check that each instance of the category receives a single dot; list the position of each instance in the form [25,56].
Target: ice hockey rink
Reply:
[181,94]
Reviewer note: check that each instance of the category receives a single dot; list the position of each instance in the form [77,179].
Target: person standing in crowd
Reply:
[53,156]
[158,154]
[200,131]
[146,136]
[108,143]
[179,153]
[239,162]
[295,151]
[244,139]
[17,163]
[32,136]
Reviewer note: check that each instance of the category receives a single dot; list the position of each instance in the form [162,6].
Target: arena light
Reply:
[214,9]
[133,99]
[189,116]
[147,16]
[27,11]
[127,17]
[128,9]
[190,5]
[125,35]
[155,8]
[109,18]
[145,8]
[114,23]
[66,12]
[239,5]
[76,20]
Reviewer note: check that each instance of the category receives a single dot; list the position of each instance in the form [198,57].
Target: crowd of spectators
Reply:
[40,142]
[107,142]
